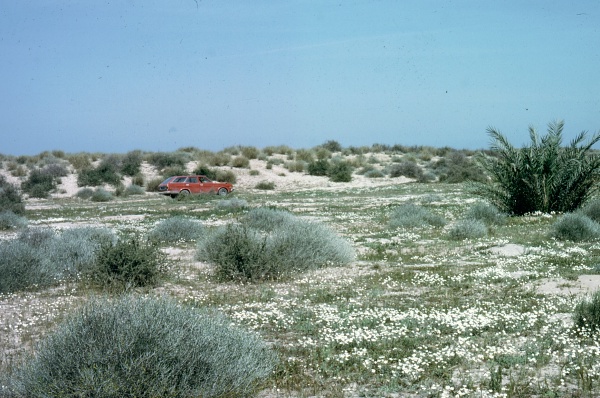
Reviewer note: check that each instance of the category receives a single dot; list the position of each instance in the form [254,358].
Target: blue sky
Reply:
[113,76]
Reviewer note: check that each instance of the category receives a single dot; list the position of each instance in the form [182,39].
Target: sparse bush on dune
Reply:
[101,195]
[456,167]
[487,213]
[319,167]
[131,163]
[592,210]
[129,263]
[340,171]
[410,216]
[575,227]
[467,229]
[85,193]
[162,160]
[176,229]
[232,204]
[226,176]
[152,185]
[39,184]
[10,220]
[586,315]
[10,198]
[270,244]
[240,162]
[265,185]
[40,257]
[144,347]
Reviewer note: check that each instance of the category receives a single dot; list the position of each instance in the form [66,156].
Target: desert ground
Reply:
[416,314]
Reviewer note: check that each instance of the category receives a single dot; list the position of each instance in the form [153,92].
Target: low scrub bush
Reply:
[101,195]
[134,190]
[575,227]
[456,167]
[240,162]
[340,171]
[487,213]
[128,263]
[41,257]
[138,180]
[250,152]
[226,176]
[39,184]
[409,169]
[296,166]
[10,198]
[131,163]
[592,210]
[265,185]
[203,169]
[232,204]
[85,193]
[374,173]
[410,215]
[152,185]
[10,220]
[176,229]
[270,244]
[319,167]
[467,229]
[144,347]
[162,160]
[586,315]
[79,161]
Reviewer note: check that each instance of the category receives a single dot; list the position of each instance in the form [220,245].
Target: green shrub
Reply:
[270,244]
[302,155]
[133,190]
[407,169]
[233,204]
[144,347]
[220,159]
[176,229]
[467,229]
[173,171]
[10,220]
[126,264]
[487,213]
[575,227]
[203,169]
[457,168]
[544,176]
[592,210]
[131,163]
[265,185]
[250,152]
[152,185]
[332,146]
[106,172]
[101,195]
[410,215]
[240,162]
[162,160]
[340,171]
[80,161]
[374,173]
[587,314]
[10,198]
[319,167]
[85,193]
[39,184]
[295,166]
[40,257]
[226,176]
[254,173]
[138,180]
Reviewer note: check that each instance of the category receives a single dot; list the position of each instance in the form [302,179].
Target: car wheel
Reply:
[184,192]
[222,191]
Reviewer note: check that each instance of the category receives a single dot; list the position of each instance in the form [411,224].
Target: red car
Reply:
[193,184]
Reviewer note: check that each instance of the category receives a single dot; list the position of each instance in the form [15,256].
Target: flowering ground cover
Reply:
[417,314]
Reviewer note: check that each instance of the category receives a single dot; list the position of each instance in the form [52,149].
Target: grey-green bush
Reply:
[410,215]
[101,195]
[10,220]
[176,229]
[467,229]
[271,244]
[575,227]
[10,198]
[129,263]
[144,347]
[487,213]
[586,315]
[232,204]
[340,171]
[41,257]
[85,193]
[265,185]
[592,210]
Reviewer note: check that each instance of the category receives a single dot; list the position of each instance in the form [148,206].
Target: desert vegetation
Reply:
[406,279]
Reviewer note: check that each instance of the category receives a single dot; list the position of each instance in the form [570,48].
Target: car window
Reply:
[180,179]
[204,179]
[193,180]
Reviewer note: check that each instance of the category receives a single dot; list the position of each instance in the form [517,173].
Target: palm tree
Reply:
[544,176]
